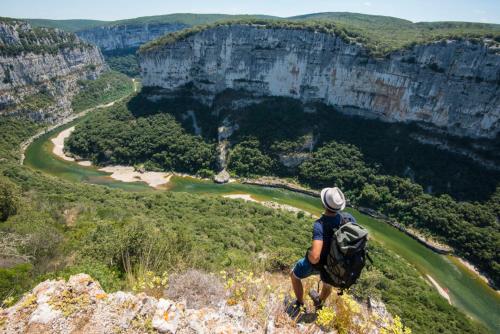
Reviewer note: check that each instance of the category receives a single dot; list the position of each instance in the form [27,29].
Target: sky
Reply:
[414,10]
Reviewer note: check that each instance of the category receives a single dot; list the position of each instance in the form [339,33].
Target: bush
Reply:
[9,198]
[199,289]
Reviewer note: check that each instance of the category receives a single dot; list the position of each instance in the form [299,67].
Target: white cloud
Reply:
[367,3]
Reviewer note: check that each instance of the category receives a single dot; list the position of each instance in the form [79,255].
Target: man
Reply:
[333,201]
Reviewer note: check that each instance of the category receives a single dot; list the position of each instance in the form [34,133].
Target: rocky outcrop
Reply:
[126,36]
[80,305]
[40,69]
[453,84]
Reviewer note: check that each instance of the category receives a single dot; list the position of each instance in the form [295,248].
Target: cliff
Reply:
[80,305]
[40,69]
[452,84]
[128,35]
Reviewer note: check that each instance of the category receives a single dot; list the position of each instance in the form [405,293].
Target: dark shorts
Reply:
[303,269]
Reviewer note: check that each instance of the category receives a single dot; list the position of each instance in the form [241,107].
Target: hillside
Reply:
[66,25]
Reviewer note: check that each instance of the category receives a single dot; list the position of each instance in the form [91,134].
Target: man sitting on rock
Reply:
[333,201]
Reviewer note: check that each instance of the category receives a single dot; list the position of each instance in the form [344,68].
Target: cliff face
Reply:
[126,36]
[40,69]
[451,84]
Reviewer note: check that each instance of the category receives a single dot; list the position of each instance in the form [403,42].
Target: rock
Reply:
[445,84]
[79,305]
[124,36]
[32,73]
[166,318]
[222,177]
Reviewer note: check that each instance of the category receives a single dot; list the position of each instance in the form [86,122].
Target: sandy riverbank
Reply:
[129,174]
[269,204]
[473,269]
[120,173]
[438,287]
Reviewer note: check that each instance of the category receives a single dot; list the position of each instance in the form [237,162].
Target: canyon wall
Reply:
[40,69]
[450,84]
[115,37]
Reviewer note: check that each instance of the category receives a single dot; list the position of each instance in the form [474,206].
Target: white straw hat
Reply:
[333,199]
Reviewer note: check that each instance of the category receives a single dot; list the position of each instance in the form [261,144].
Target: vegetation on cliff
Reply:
[108,87]
[19,37]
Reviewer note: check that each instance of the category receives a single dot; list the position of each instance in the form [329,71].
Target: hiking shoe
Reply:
[318,304]
[294,309]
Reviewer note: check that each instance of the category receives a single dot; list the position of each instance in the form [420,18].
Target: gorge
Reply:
[407,125]
[450,84]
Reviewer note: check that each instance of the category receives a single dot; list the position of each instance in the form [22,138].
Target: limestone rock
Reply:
[55,75]
[128,35]
[451,84]
[222,177]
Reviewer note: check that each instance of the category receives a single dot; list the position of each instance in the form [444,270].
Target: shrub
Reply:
[9,198]
[197,288]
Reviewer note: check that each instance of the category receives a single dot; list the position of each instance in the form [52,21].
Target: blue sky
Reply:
[414,10]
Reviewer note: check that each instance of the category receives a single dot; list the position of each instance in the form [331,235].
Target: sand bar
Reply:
[438,287]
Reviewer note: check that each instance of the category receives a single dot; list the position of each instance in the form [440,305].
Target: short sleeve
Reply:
[317,231]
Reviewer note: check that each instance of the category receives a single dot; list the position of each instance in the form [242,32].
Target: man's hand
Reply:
[315,251]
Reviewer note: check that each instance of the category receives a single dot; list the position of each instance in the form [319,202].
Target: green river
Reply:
[467,291]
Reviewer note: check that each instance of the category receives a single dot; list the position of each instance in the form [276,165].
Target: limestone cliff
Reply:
[40,69]
[127,35]
[453,84]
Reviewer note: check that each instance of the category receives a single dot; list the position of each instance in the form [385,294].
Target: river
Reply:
[467,291]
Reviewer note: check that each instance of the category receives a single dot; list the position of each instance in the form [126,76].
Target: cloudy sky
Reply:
[414,10]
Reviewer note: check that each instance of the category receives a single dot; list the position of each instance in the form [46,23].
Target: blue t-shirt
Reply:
[323,229]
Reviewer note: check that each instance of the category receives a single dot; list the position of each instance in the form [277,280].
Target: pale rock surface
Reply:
[127,36]
[80,305]
[56,74]
[450,84]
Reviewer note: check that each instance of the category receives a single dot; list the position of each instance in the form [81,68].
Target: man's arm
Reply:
[315,251]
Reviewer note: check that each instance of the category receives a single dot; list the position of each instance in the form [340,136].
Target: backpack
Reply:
[347,256]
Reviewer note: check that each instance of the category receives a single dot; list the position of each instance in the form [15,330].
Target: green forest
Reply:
[145,133]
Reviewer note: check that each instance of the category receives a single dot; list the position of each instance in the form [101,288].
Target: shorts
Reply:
[304,268]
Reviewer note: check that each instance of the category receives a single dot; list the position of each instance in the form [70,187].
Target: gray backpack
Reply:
[347,256]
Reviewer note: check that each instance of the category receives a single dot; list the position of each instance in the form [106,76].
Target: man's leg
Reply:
[298,289]
[326,290]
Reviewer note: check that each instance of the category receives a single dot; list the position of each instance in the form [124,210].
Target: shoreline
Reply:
[270,204]
[119,173]
[439,289]
[24,145]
